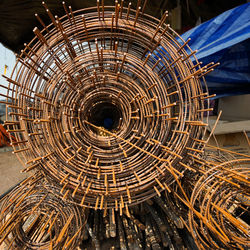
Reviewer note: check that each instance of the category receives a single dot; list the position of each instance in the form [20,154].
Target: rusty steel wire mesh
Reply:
[109,106]
[33,218]
[216,197]
[213,199]
[114,63]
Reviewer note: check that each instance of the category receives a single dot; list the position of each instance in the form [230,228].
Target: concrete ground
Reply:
[9,170]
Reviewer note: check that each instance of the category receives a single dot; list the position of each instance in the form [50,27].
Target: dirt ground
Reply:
[9,173]
[9,170]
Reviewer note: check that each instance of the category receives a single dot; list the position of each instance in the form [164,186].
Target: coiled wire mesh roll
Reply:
[128,65]
[216,196]
[33,218]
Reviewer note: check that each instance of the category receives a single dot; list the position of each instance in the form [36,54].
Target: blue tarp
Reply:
[225,39]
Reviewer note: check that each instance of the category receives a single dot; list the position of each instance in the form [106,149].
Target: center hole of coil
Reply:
[106,115]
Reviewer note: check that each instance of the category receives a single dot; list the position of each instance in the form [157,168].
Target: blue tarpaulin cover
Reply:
[225,39]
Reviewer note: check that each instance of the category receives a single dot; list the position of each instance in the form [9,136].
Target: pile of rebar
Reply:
[110,105]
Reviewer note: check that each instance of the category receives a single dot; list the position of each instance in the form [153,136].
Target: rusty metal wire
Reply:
[119,64]
[213,199]
[116,57]
[213,219]
[33,218]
